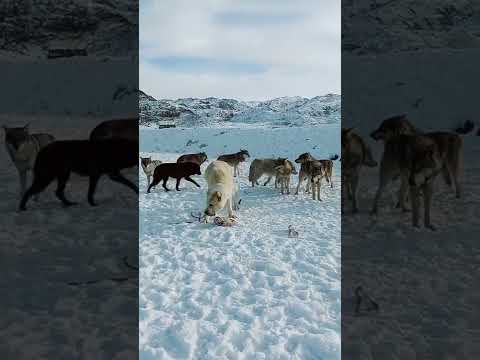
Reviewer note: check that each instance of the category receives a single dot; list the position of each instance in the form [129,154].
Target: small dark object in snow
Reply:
[292,233]
[364,302]
[199,216]
[224,221]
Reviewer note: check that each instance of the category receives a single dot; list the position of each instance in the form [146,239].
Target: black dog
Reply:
[174,170]
[84,157]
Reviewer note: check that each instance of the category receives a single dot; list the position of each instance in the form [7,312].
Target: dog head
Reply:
[425,166]
[215,202]
[145,161]
[244,154]
[303,158]
[396,125]
[15,136]
[203,157]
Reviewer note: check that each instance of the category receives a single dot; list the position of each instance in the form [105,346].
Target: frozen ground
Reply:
[48,246]
[249,291]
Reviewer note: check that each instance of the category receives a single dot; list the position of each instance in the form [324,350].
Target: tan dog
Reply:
[283,175]
[222,192]
[235,159]
[355,154]
[450,146]
[416,159]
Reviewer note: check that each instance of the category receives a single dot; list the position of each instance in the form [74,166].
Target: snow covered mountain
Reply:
[100,28]
[284,111]
[409,25]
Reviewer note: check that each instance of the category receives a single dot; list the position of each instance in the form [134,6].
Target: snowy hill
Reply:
[102,28]
[285,111]
[409,25]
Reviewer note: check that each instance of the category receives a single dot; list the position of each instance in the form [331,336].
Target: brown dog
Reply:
[198,158]
[450,146]
[175,170]
[307,163]
[235,159]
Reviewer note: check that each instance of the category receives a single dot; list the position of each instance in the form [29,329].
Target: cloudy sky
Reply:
[242,49]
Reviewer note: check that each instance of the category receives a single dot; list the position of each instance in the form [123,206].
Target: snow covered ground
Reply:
[249,291]
[424,281]
[46,247]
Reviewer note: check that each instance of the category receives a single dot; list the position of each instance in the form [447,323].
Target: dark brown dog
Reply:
[198,158]
[122,128]
[235,159]
[88,158]
[174,170]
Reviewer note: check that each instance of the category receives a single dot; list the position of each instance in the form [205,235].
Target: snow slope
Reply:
[249,291]
[46,247]
[214,112]
[423,281]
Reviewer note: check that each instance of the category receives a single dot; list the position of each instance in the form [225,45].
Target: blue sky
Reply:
[245,49]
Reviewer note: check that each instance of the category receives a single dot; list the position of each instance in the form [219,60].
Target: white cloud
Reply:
[298,41]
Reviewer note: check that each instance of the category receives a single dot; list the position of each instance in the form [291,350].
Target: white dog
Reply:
[222,191]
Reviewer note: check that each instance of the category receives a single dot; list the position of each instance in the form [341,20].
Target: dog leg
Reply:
[427,195]
[386,176]
[230,208]
[38,185]
[402,194]
[92,185]
[60,192]
[165,184]
[268,180]
[415,205]
[152,184]
[354,187]
[288,185]
[309,185]
[188,178]
[300,179]
[118,177]
[446,176]
[178,184]
[23,181]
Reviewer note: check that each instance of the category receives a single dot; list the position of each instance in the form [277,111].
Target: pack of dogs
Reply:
[111,147]
[223,191]
[413,156]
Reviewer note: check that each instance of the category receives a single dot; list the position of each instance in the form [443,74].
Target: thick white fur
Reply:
[221,188]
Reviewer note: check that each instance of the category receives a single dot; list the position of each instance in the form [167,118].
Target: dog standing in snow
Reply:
[148,166]
[235,159]
[23,148]
[222,192]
